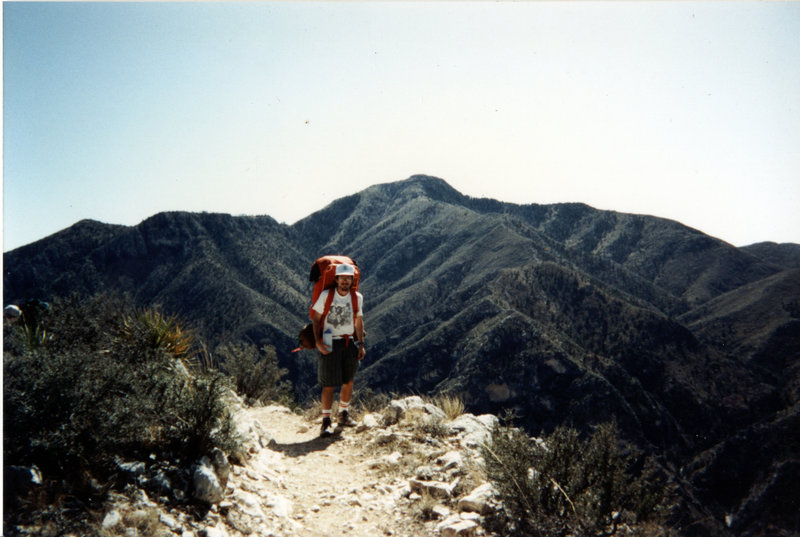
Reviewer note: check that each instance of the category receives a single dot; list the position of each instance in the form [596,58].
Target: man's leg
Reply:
[344,403]
[346,393]
[327,405]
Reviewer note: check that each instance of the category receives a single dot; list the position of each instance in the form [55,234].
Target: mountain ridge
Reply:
[561,313]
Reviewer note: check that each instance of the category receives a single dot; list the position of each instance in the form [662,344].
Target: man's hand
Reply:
[316,320]
[361,352]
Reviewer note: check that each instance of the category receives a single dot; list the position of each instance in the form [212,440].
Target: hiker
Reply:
[342,346]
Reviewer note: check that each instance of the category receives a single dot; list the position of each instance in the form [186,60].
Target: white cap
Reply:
[345,270]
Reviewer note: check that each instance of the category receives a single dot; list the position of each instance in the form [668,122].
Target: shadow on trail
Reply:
[300,449]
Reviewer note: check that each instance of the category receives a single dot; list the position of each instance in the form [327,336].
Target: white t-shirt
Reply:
[340,316]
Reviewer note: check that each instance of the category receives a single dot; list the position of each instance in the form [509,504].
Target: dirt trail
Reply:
[323,486]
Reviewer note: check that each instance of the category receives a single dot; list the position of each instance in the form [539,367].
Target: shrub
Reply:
[102,387]
[257,376]
[428,427]
[568,485]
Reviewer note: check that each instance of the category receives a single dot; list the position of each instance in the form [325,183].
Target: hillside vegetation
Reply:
[566,315]
[105,405]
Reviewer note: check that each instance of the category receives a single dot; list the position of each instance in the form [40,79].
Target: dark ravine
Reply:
[563,313]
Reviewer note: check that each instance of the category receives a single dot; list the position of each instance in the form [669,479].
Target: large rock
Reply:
[436,489]
[478,500]
[412,405]
[474,431]
[462,528]
[112,519]
[207,486]
[456,526]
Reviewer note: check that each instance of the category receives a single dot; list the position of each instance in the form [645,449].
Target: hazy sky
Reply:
[117,111]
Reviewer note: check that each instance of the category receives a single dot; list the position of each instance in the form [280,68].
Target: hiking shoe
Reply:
[327,429]
[345,420]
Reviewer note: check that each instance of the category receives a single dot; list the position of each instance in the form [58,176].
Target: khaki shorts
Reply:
[340,366]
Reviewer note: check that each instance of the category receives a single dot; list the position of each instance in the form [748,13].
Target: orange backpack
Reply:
[323,274]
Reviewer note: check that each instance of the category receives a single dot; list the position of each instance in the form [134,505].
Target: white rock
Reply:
[170,522]
[249,503]
[281,506]
[368,421]
[462,528]
[437,489]
[449,521]
[489,420]
[213,532]
[477,500]
[441,511]
[451,459]
[111,519]
[393,458]
[207,487]
[473,431]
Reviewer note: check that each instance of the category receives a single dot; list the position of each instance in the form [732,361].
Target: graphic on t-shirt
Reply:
[340,315]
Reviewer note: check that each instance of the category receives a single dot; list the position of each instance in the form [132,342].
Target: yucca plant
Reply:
[160,331]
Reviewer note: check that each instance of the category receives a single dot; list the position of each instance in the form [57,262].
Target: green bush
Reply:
[257,376]
[566,485]
[101,387]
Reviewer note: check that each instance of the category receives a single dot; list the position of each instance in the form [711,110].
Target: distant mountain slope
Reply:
[786,255]
[563,313]
[231,276]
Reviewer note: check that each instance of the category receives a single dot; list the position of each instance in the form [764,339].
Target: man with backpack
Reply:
[339,333]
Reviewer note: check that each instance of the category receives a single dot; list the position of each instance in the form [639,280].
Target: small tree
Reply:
[257,376]
[566,485]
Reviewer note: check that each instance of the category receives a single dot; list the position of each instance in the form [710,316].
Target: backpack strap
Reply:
[329,301]
[327,307]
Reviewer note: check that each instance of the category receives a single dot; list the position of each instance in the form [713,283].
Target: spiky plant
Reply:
[160,332]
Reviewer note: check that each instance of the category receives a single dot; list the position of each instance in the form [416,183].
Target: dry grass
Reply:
[423,508]
[452,405]
[143,521]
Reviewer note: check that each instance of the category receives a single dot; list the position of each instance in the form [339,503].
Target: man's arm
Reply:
[316,320]
[359,325]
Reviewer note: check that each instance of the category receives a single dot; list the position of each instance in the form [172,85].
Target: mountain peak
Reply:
[426,185]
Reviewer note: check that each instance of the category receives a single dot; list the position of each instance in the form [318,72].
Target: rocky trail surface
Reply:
[320,486]
[407,471]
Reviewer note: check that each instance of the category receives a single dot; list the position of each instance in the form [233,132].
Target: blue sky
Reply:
[684,110]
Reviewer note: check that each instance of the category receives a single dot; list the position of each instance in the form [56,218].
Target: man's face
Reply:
[343,284]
